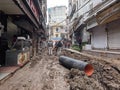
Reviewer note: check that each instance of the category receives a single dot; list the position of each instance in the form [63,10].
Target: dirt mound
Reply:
[106,76]
[79,81]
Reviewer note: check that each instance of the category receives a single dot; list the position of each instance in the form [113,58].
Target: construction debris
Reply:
[105,76]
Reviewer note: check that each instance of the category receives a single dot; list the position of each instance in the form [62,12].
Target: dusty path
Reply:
[42,73]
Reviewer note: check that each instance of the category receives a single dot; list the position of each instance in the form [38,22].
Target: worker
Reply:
[50,47]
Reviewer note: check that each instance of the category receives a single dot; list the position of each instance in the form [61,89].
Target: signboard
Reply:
[109,14]
[23,58]
[33,9]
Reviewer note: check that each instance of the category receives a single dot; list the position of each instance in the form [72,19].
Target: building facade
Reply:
[20,20]
[57,22]
[100,18]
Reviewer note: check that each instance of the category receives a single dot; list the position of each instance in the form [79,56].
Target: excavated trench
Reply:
[106,76]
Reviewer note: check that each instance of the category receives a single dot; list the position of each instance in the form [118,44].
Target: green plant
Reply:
[76,47]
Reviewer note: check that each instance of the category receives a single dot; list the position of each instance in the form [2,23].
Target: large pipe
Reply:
[74,63]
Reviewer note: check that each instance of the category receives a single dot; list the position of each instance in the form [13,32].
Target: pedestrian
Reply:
[65,44]
[50,47]
[58,47]
[80,43]
[68,44]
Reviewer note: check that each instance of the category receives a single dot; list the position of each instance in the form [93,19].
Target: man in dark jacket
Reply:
[58,46]
[79,40]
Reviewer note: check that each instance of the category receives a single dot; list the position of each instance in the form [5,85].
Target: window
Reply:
[62,35]
[56,29]
[56,35]
[61,27]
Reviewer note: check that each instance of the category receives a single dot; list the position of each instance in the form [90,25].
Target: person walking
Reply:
[50,47]
[58,47]
[80,43]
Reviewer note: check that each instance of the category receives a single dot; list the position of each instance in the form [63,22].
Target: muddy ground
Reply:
[44,72]
[106,75]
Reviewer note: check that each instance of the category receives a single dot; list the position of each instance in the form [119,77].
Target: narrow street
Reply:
[42,73]
[60,45]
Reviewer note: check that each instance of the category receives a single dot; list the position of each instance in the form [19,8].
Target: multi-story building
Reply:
[101,19]
[57,22]
[71,12]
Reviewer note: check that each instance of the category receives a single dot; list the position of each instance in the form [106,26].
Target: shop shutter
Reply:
[99,38]
[114,35]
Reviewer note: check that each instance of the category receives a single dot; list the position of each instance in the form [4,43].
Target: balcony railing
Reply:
[98,8]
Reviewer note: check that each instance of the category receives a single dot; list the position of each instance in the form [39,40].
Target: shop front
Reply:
[15,41]
[99,37]
[104,28]
[7,8]
[20,41]
[20,22]
[114,35]
[110,17]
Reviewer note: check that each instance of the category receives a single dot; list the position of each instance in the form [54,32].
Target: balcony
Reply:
[99,7]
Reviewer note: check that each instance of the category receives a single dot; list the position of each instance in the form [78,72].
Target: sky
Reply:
[52,3]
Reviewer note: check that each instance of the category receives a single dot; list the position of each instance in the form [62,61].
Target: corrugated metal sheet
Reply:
[114,35]
[99,38]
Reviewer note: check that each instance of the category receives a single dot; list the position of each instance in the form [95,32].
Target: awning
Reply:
[109,14]
[27,12]
[56,39]
[9,7]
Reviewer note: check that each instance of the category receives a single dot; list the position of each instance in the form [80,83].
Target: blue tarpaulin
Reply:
[56,38]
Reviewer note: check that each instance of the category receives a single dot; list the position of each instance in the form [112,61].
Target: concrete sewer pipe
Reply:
[74,63]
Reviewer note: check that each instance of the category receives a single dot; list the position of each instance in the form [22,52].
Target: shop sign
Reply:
[22,58]
[33,8]
[109,14]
